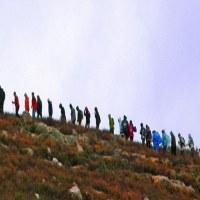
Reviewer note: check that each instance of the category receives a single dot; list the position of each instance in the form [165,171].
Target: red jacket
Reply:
[16,101]
[130,128]
[34,103]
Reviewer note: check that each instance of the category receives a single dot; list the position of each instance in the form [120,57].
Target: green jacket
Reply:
[190,142]
[111,122]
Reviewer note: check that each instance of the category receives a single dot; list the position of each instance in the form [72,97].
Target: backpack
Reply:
[125,125]
[81,114]
[134,129]
[182,140]
[113,121]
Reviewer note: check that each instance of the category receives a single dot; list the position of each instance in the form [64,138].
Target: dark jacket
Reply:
[125,125]
[80,114]
[148,135]
[39,105]
[62,111]
[50,108]
[2,95]
[97,116]
[173,140]
[87,115]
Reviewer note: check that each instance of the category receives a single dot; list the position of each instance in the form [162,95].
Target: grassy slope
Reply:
[99,173]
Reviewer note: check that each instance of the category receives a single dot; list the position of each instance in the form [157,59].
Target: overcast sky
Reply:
[134,58]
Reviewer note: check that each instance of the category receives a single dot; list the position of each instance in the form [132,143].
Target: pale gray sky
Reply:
[138,58]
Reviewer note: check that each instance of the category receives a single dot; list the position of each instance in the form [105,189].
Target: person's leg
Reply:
[192,152]
[33,114]
[143,141]
[17,110]
[1,107]
[175,150]
[164,149]
[97,125]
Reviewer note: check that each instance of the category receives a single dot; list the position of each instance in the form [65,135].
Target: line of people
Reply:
[127,129]
[36,105]
[165,141]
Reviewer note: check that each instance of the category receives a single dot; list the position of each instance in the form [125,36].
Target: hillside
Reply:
[64,161]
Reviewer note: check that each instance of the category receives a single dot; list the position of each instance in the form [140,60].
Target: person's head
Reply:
[48,100]
[25,95]
[86,108]
[77,108]
[179,135]
[125,117]
[163,131]
[14,93]
[96,109]
[147,127]
[171,133]
[131,122]
[70,105]
[60,105]
[189,135]
[38,97]
[32,94]
[153,131]
[141,124]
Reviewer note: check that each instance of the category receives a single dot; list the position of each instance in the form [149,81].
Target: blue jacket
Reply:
[156,138]
[165,140]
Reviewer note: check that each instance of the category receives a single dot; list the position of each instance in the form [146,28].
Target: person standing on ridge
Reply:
[63,117]
[148,136]
[33,105]
[16,102]
[120,125]
[26,103]
[2,99]
[130,128]
[111,123]
[39,107]
[156,140]
[191,145]
[164,141]
[80,115]
[50,108]
[125,127]
[73,114]
[87,115]
[173,144]
[181,142]
[143,134]
[97,117]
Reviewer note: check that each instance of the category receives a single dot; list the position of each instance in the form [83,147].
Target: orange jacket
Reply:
[27,104]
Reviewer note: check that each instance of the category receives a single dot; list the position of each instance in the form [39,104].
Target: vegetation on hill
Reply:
[39,161]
